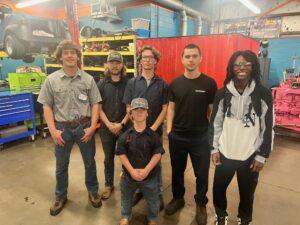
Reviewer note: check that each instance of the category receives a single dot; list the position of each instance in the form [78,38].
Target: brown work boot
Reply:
[58,206]
[107,192]
[152,222]
[95,199]
[124,221]
[201,215]
[174,205]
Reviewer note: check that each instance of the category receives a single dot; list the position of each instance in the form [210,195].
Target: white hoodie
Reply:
[241,134]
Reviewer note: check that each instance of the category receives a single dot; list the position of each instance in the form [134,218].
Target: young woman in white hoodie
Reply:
[241,134]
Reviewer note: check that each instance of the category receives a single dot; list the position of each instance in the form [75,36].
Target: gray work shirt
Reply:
[69,97]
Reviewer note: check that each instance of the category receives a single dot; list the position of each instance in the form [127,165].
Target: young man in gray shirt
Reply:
[70,99]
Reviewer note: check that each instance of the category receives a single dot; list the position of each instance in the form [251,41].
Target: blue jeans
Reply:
[62,154]
[150,190]
[109,141]
[181,146]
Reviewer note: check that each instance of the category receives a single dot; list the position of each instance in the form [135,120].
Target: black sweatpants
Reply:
[247,181]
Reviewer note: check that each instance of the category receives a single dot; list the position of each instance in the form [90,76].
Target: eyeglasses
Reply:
[246,65]
[147,57]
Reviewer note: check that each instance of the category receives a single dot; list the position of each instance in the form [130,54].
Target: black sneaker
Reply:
[221,220]
[58,206]
[242,221]
[174,205]
[201,215]
[137,197]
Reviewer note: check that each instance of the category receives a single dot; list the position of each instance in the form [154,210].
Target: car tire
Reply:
[13,47]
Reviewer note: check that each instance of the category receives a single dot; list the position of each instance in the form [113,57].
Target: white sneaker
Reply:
[240,222]
[221,220]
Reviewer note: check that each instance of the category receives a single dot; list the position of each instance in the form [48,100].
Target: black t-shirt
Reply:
[191,98]
[139,147]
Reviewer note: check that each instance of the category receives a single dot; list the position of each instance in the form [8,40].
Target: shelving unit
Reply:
[3,54]
[96,50]
[94,58]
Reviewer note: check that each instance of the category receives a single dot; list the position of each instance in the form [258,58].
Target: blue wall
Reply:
[280,52]
[163,22]
[166,23]
[191,27]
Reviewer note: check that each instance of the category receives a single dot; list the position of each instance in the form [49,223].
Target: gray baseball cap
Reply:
[115,56]
[139,103]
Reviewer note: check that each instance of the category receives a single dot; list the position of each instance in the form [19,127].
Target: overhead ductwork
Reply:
[185,10]
[199,25]
[183,23]
[178,7]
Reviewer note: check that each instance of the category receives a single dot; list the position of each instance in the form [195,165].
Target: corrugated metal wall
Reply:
[164,23]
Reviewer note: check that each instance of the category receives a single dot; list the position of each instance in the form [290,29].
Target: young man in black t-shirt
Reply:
[190,103]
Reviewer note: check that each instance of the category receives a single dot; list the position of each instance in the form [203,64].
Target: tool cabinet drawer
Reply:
[15,107]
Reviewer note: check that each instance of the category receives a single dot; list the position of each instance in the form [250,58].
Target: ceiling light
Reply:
[250,6]
[29,3]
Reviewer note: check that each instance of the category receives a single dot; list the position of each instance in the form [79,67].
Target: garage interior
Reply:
[27,161]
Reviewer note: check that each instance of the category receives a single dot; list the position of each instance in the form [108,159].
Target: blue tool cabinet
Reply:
[16,106]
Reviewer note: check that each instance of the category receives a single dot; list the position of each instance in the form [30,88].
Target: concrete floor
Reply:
[27,189]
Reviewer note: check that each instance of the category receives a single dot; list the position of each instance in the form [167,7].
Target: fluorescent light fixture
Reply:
[250,6]
[29,3]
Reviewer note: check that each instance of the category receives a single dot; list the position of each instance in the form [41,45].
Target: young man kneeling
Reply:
[140,150]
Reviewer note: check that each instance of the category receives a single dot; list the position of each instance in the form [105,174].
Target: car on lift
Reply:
[23,36]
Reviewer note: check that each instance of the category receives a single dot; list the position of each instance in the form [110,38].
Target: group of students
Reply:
[232,126]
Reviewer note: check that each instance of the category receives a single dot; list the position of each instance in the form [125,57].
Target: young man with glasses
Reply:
[153,88]
[241,134]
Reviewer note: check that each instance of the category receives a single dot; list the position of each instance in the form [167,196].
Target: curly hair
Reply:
[66,45]
[154,51]
[249,56]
